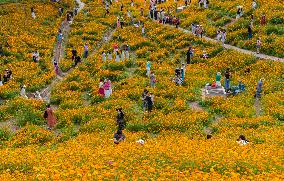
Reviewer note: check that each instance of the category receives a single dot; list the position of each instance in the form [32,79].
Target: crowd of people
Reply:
[121,54]
[105,88]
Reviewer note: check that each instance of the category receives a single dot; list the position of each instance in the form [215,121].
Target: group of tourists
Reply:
[105,88]
[6,77]
[162,17]
[221,36]
[234,89]
[197,30]
[121,54]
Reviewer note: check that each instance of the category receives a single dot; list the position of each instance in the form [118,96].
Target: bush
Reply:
[277,20]
[5,134]
[278,30]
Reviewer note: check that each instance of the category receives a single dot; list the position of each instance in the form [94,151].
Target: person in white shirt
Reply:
[242,140]
[254,5]
[23,91]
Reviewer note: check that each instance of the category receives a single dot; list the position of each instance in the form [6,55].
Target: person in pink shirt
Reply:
[107,88]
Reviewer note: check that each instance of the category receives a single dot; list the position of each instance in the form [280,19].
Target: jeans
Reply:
[227,84]
[86,54]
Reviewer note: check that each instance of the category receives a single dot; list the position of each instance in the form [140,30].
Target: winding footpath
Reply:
[227,46]
[57,55]
[248,52]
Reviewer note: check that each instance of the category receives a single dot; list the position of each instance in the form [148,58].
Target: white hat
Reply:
[140,141]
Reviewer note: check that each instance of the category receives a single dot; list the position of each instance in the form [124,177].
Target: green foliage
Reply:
[5,134]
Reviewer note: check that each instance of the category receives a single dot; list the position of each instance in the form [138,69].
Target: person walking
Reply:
[49,115]
[59,38]
[259,88]
[249,32]
[148,68]
[189,55]
[56,68]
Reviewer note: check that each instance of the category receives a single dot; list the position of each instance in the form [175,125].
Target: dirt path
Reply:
[45,93]
[217,118]
[227,46]
[257,105]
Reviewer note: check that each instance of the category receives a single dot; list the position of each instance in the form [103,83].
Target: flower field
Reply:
[20,36]
[81,146]
[222,15]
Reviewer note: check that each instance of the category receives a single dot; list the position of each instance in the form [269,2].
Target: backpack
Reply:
[45,115]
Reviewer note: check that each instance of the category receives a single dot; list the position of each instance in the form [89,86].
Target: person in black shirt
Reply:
[118,136]
[227,79]
[120,119]
[189,55]
[74,53]
[144,101]
[77,60]
[149,101]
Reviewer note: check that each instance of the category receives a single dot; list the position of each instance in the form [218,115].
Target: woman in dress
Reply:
[101,88]
[51,120]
